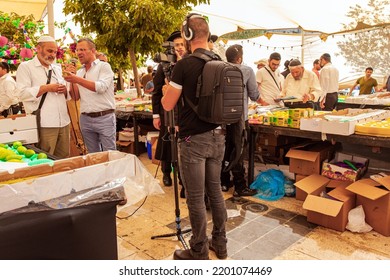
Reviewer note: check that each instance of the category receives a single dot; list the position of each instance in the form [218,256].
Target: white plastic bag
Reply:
[356,220]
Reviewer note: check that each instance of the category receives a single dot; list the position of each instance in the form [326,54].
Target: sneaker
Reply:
[245,192]
[221,253]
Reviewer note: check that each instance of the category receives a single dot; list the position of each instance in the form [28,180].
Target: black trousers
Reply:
[238,170]
[330,101]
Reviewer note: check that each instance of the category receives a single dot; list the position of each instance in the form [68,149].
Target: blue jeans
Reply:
[99,133]
[200,159]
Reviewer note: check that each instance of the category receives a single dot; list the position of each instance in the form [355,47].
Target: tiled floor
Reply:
[256,230]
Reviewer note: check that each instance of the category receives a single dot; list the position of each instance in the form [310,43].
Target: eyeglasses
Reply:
[82,50]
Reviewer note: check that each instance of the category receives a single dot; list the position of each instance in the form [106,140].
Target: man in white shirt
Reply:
[36,78]
[270,81]
[94,86]
[300,83]
[8,95]
[329,81]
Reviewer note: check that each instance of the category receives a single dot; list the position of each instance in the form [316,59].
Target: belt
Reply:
[219,131]
[99,114]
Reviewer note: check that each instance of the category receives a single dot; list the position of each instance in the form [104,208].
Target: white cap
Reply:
[45,39]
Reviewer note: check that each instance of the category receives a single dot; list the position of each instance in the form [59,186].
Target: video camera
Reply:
[168,55]
[167,58]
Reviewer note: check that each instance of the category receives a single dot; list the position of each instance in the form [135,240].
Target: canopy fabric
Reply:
[310,15]
[25,7]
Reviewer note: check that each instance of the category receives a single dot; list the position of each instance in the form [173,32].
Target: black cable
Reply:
[143,202]
[155,176]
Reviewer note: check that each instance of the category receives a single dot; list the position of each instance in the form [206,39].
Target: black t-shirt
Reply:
[186,73]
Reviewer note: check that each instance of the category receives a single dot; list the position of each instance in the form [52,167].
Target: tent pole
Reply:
[302,45]
[50,17]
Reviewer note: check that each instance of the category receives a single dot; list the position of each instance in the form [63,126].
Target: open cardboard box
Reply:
[333,171]
[307,159]
[313,184]
[343,122]
[42,182]
[374,196]
[330,211]
[18,128]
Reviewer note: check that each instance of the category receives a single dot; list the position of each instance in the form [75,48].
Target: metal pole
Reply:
[50,18]
[302,46]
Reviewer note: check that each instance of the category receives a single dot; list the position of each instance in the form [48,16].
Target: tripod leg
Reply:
[174,159]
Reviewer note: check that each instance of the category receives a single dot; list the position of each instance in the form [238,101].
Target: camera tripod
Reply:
[174,159]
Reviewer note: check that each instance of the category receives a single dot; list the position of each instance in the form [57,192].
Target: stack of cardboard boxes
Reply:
[126,141]
[329,191]
[274,147]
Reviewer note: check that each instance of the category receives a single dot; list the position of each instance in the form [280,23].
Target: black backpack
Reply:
[220,90]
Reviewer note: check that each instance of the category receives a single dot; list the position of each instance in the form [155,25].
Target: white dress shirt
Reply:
[329,79]
[8,94]
[268,88]
[307,84]
[30,76]
[103,98]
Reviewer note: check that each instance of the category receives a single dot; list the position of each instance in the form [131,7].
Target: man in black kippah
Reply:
[163,150]
[329,81]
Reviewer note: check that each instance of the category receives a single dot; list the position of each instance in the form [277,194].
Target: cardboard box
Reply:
[19,128]
[269,139]
[299,177]
[125,146]
[333,171]
[307,159]
[151,137]
[154,147]
[126,136]
[313,184]
[331,211]
[311,124]
[343,122]
[374,196]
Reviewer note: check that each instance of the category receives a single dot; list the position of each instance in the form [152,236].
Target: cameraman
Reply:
[164,70]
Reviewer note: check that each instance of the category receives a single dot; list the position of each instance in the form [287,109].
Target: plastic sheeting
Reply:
[138,182]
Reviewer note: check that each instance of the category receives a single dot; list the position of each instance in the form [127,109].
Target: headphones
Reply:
[188,33]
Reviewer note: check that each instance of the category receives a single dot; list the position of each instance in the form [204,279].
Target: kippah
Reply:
[214,38]
[45,39]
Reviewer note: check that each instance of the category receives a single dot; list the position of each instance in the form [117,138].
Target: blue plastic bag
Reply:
[269,185]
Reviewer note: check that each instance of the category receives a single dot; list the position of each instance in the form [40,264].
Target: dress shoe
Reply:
[182,192]
[226,187]
[167,180]
[245,192]
[186,255]
[221,253]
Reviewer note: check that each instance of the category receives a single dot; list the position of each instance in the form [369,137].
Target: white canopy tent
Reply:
[311,15]
[307,22]
[38,8]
